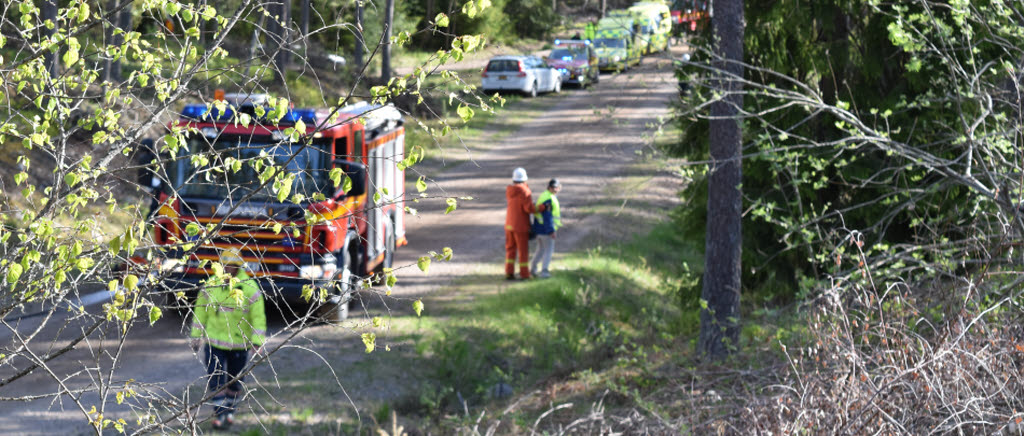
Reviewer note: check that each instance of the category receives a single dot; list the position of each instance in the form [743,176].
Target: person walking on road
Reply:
[229,316]
[517,225]
[545,226]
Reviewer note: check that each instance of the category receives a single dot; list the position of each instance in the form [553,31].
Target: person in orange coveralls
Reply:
[517,225]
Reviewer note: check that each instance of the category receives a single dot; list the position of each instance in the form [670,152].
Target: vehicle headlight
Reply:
[311,272]
[173,265]
[616,59]
[325,270]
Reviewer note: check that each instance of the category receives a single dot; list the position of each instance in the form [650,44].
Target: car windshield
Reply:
[610,43]
[567,53]
[198,173]
[503,65]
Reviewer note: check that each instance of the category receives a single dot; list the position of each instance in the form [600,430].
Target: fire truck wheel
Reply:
[336,308]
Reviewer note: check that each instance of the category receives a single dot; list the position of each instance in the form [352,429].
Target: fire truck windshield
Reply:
[198,173]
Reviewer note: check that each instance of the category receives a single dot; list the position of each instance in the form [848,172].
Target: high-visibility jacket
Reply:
[231,318]
[547,222]
[520,206]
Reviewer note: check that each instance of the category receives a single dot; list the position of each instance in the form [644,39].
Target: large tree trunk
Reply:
[51,58]
[385,58]
[719,321]
[360,45]
[280,25]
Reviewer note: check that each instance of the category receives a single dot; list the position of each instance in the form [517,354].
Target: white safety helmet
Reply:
[519,175]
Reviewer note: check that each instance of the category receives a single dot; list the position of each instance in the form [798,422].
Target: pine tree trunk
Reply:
[719,321]
[385,58]
[282,23]
[51,59]
[360,45]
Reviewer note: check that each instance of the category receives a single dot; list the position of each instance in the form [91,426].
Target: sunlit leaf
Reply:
[370,340]
[417,306]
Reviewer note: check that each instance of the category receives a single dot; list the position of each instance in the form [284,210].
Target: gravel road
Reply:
[586,138]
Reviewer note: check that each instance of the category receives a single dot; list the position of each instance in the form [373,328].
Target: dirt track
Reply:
[586,138]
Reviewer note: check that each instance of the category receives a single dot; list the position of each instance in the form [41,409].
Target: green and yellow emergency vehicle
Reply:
[616,43]
[621,22]
[654,25]
[615,52]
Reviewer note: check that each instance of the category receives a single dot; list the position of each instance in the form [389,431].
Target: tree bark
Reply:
[304,28]
[112,68]
[281,23]
[720,319]
[51,58]
[360,45]
[385,59]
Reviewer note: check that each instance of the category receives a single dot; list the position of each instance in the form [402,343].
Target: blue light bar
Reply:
[307,116]
[226,116]
[200,112]
[194,111]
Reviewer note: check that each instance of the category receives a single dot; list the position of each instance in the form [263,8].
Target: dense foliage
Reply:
[883,192]
[808,174]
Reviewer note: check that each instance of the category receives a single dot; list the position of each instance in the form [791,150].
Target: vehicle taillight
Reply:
[522,72]
[483,74]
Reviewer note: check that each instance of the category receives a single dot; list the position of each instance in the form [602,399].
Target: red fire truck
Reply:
[689,15]
[212,199]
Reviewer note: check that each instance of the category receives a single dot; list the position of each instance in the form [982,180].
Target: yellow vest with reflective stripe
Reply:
[230,320]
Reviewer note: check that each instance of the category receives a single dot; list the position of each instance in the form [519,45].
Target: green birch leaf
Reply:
[370,340]
[423,263]
[14,273]
[346,183]
[131,282]
[452,204]
[335,176]
[391,280]
[154,314]
[465,112]
[418,307]
[421,184]
[441,20]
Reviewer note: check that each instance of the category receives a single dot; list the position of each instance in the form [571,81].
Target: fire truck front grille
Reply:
[258,259]
[256,237]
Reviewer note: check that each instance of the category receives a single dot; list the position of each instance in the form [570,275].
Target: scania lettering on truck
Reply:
[319,237]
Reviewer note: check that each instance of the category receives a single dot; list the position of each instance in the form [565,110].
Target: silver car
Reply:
[526,74]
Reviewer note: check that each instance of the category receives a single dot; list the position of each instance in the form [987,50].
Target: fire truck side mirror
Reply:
[357,173]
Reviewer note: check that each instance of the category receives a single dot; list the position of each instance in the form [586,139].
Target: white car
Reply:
[526,74]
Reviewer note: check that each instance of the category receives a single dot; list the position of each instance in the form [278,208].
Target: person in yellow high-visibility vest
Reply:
[546,222]
[229,315]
